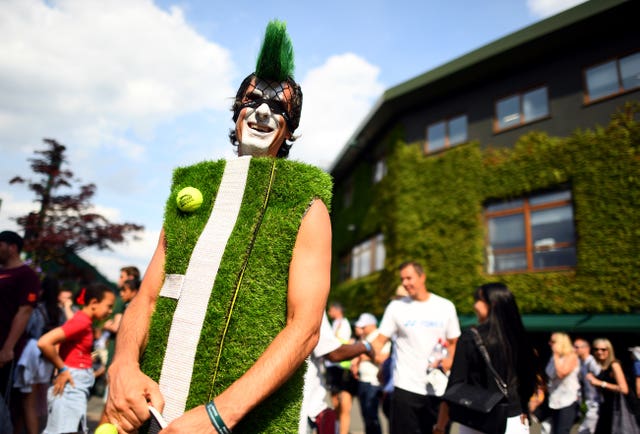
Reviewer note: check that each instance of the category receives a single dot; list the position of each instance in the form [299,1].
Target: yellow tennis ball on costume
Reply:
[106,428]
[189,199]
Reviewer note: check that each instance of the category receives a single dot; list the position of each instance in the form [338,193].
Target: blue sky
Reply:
[134,88]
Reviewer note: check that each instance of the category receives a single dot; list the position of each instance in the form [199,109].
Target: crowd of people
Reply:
[582,387]
[56,344]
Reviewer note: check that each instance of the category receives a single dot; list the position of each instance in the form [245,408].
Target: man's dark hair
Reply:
[416,266]
[131,271]
[13,238]
[337,305]
[133,284]
[295,111]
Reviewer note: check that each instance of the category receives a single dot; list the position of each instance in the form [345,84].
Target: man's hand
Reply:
[195,420]
[130,394]
[6,356]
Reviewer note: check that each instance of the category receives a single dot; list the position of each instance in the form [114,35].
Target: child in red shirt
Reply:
[67,398]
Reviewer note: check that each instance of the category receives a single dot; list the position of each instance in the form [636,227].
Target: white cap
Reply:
[366,319]
[636,352]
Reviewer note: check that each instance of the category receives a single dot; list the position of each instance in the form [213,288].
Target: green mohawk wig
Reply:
[275,61]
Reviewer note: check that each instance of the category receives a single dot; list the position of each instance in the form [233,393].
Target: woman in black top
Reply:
[613,386]
[510,350]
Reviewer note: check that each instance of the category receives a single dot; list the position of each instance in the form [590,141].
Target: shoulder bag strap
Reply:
[485,355]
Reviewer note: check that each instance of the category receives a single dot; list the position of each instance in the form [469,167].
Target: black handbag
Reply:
[477,407]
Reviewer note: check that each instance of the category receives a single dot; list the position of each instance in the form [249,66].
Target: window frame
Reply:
[520,95]
[526,209]
[621,91]
[373,245]
[447,133]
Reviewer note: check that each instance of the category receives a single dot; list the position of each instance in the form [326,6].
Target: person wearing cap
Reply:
[232,301]
[366,371]
[19,290]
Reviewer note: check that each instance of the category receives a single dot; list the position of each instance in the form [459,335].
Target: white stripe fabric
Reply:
[177,367]
[172,286]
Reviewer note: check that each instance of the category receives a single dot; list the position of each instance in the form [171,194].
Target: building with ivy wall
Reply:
[517,162]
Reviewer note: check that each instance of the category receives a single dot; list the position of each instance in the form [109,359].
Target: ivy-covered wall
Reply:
[430,209]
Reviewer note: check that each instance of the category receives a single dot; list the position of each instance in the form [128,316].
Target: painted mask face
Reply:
[261,127]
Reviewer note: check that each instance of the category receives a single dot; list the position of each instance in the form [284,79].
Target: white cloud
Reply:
[88,70]
[337,97]
[14,206]
[546,8]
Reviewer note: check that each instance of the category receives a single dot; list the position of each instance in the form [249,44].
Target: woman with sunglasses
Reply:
[611,382]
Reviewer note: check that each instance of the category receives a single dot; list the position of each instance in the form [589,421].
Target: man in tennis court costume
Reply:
[232,300]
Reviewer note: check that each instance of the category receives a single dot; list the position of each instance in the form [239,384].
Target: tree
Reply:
[64,224]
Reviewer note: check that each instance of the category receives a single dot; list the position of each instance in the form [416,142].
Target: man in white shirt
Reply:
[418,322]
[330,348]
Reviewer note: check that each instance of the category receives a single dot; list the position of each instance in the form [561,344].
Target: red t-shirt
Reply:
[19,286]
[76,348]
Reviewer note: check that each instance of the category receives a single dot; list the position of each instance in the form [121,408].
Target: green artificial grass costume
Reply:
[252,277]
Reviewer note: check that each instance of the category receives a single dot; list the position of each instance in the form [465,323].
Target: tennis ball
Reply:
[106,428]
[189,199]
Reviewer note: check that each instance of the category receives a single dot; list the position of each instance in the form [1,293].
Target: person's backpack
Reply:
[326,421]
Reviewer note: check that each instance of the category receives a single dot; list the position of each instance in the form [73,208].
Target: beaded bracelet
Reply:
[216,419]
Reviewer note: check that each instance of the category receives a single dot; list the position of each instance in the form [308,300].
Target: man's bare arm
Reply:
[377,345]
[129,388]
[309,282]
[18,325]
[346,352]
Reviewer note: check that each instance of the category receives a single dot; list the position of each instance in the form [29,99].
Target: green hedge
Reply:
[430,208]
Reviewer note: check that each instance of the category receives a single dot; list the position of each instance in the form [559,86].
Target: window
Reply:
[367,257]
[347,195]
[379,170]
[533,233]
[522,108]
[613,77]
[446,133]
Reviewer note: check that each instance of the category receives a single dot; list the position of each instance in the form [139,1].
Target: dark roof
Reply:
[497,56]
